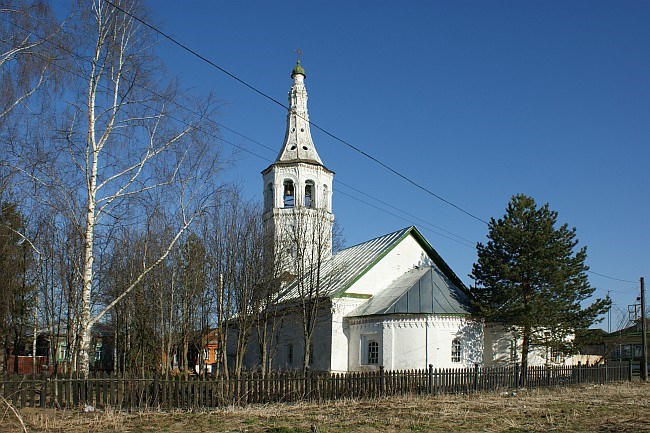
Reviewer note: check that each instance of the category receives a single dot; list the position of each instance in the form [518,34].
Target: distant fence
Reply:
[138,392]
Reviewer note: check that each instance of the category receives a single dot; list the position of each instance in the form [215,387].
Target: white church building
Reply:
[390,301]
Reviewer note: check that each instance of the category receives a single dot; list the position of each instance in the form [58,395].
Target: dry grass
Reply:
[610,408]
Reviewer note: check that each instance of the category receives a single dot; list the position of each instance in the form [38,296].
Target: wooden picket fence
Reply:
[141,392]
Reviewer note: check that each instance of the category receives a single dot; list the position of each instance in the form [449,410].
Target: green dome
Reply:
[298,70]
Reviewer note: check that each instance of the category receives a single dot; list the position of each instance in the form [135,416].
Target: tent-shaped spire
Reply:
[298,144]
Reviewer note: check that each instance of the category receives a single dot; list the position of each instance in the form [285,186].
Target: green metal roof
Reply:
[298,70]
[346,267]
[423,290]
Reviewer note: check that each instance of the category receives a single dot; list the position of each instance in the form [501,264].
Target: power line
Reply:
[272,150]
[611,278]
[270,98]
[405,212]
[335,137]
[78,56]
[402,218]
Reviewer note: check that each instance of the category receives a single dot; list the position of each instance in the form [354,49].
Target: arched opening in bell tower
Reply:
[309,194]
[268,197]
[289,193]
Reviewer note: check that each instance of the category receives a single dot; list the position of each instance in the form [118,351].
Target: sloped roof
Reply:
[346,266]
[420,290]
[350,264]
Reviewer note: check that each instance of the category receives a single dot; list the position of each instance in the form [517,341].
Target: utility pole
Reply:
[609,317]
[644,336]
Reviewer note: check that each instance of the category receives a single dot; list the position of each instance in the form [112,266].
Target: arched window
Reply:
[289,194]
[456,350]
[373,352]
[268,197]
[309,194]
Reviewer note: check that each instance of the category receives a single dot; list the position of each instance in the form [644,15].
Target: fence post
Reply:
[155,389]
[43,388]
[579,377]
[307,384]
[476,377]
[381,381]
[430,379]
[630,371]
[516,375]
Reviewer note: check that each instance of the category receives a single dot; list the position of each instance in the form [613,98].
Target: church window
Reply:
[456,350]
[309,194]
[289,196]
[373,352]
[311,354]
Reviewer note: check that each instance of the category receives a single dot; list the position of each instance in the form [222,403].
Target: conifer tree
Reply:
[530,279]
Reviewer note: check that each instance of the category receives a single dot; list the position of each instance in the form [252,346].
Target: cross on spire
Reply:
[299,53]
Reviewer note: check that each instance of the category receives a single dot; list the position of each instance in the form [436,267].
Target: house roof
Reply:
[350,264]
[633,330]
[421,290]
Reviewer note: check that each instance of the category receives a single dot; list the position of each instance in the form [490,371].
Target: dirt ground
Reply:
[600,408]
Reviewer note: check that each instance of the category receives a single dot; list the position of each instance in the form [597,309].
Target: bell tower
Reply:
[298,190]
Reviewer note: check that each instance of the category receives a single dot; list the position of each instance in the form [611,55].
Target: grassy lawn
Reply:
[608,408]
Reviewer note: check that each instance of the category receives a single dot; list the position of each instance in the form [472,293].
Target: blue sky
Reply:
[476,100]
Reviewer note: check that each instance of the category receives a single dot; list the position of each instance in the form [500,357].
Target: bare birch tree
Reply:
[29,35]
[124,145]
[308,240]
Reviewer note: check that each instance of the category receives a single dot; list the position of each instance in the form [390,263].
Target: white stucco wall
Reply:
[403,257]
[414,342]
[503,348]
[341,307]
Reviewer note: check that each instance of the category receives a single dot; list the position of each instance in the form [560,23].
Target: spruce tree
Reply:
[530,279]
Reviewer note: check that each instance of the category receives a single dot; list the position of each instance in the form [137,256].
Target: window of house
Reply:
[216,355]
[98,352]
[556,354]
[290,354]
[311,354]
[627,351]
[373,352]
[456,350]
[309,194]
[63,352]
[289,194]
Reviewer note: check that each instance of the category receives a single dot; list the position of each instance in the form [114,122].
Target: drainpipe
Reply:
[426,341]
